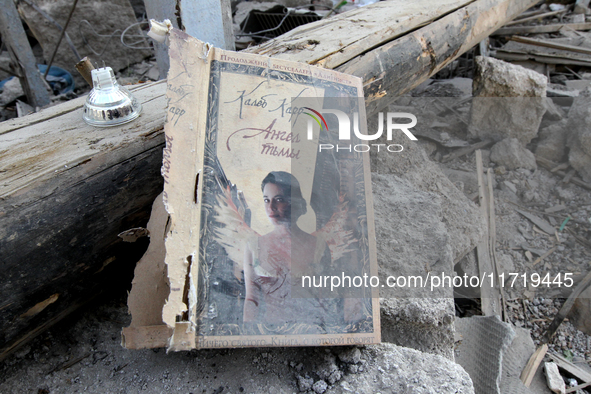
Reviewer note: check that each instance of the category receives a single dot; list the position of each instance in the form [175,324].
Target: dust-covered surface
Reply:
[83,354]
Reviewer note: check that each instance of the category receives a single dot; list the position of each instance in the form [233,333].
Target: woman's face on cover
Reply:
[277,204]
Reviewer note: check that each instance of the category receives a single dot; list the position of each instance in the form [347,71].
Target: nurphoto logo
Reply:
[344,129]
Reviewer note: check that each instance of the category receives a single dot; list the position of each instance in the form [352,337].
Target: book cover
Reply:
[270,235]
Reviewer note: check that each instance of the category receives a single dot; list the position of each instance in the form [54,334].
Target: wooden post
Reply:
[14,35]
[207,20]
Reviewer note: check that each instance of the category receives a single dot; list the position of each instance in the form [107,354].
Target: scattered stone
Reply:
[350,355]
[394,369]
[329,370]
[554,379]
[581,7]
[305,384]
[552,144]
[579,138]
[512,155]
[581,162]
[320,387]
[460,216]
[11,90]
[553,111]
[509,101]
[510,186]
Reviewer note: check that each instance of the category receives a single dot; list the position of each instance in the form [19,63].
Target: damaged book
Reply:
[268,221]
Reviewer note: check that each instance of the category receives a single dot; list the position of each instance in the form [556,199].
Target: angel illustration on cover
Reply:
[271,265]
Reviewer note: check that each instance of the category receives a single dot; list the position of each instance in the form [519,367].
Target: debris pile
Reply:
[501,172]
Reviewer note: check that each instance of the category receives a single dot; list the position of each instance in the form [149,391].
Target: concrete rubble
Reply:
[552,142]
[512,155]
[11,90]
[554,379]
[509,101]
[579,139]
[461,217]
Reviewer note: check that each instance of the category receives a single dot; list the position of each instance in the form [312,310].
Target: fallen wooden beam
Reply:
[550,44]
[67,189]
[402,64]
[579,373]
[535,17]
[332,42]
[553,28]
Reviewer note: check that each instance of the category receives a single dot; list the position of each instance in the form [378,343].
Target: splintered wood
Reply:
[489,290]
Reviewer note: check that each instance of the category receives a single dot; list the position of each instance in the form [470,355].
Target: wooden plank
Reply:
[492,236]
[488,295]
[550,44]
[552,28]
[528,373]
[67,189]
[541,223]
[535,17]
[13,34]
[577,387]
[504,54]
[571,368]
[332,42]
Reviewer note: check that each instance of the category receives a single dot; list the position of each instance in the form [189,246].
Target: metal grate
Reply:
[266,25]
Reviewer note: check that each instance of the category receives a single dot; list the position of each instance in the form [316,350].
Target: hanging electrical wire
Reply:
[122,37]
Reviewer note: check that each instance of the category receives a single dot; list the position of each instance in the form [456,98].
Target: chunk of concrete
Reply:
[425,324]
[553,111]
[460,216]
[579,138]
[509,101]
[581,7]
[554,379]
[552,143]
[394,369]
[580,161]
[11,90]
[412,314]
[99,35]
[512,155]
